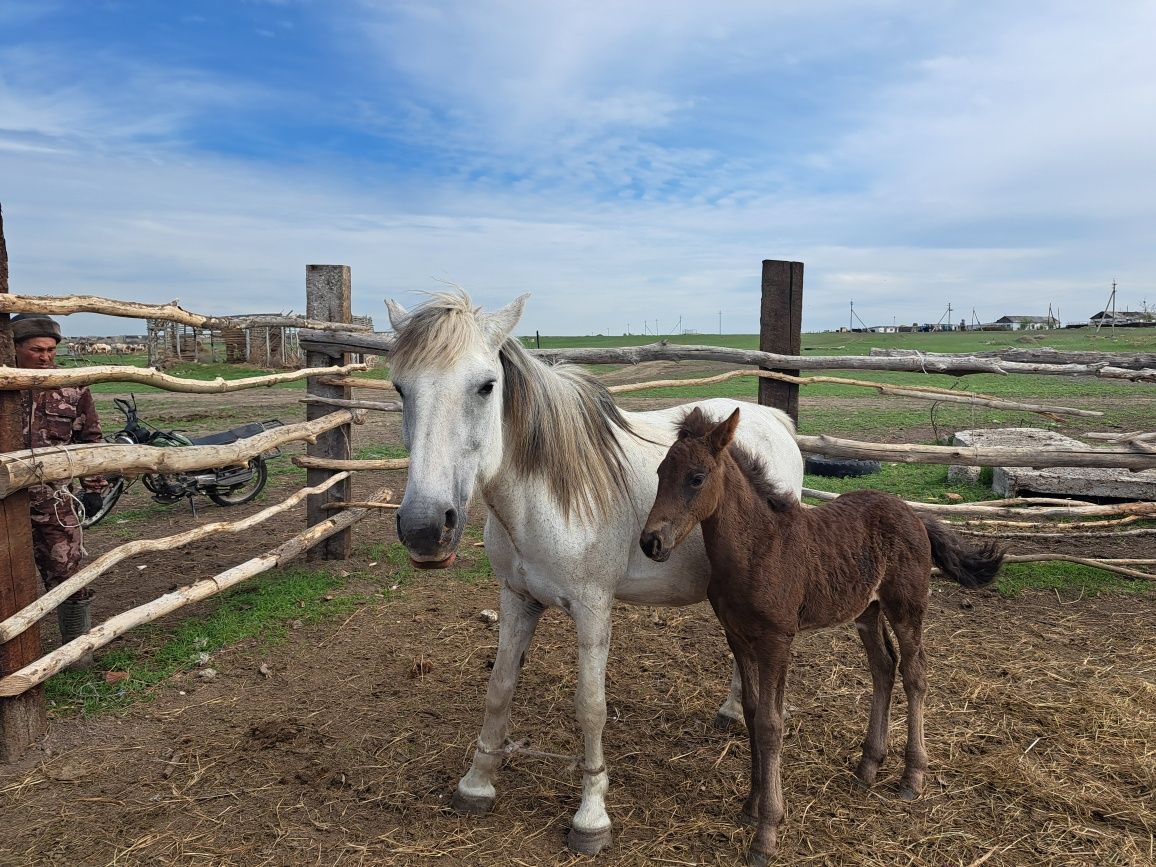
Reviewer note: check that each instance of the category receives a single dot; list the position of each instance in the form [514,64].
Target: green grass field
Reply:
[849,343]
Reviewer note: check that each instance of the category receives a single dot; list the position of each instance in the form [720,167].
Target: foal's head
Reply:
[690,483]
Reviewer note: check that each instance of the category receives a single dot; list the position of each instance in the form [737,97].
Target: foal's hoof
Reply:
[759,859]
[588,842]
[907,793]
[865,774]
[725,723]
[471,805]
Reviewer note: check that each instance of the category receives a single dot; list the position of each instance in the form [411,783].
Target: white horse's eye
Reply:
[488,388]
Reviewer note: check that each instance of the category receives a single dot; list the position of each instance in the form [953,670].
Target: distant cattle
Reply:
[96,347]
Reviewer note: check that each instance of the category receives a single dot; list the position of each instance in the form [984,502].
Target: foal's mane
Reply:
[753,467]
[559,423]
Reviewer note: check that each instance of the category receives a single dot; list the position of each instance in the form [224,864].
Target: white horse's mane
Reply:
[438,334]
[560,424]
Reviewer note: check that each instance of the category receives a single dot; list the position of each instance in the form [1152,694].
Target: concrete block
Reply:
[1078,482]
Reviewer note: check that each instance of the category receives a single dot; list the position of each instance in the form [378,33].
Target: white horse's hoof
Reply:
[725,723]
[471,805]
[588,842]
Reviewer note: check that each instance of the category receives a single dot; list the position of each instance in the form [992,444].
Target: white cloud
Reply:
[620,161]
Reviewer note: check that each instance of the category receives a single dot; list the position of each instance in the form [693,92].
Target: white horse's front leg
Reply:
[590,830]
[519,618]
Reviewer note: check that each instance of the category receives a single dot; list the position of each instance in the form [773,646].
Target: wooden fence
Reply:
[326,337]
[327,432]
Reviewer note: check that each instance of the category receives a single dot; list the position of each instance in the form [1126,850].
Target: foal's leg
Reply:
[519,619]
[881,658]
[774,656]
[747,669]
[731,712]
[913,668]
[590,828]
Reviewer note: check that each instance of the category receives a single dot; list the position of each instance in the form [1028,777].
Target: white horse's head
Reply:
[445,365]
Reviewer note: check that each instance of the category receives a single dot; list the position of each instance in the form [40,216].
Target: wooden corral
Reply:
[174,343]
[174,334]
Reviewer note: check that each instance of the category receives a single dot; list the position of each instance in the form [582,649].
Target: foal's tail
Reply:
[970,565]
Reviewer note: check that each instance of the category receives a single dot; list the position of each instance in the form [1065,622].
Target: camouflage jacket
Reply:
[60,417]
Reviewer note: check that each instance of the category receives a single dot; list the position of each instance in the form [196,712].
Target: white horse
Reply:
[568,479]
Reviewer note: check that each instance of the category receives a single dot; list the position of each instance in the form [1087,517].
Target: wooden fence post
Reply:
[22,718]
[780,325]
[328,296]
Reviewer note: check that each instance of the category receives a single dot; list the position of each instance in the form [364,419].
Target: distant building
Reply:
[1024,323]
[1123,317]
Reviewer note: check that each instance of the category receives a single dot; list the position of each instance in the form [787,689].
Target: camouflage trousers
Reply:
[56,536]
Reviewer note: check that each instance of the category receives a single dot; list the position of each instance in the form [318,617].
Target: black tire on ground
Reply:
[839,468]
[238,494]
[109,495]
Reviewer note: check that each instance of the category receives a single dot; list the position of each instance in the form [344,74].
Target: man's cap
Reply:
[27,325]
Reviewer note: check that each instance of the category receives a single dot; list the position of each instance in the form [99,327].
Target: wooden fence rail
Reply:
[1058,364]
[48,665]
[21,378]
[35,466]
[62,305]
[23,619]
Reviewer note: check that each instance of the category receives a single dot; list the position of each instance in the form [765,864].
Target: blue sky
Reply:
[628,163]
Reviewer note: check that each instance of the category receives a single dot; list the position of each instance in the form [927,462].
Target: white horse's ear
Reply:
[497,326]
[398,315]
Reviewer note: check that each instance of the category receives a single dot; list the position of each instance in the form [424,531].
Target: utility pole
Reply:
[720,322]
[1110,305]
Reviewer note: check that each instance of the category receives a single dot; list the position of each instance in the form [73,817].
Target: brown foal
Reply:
[779,568]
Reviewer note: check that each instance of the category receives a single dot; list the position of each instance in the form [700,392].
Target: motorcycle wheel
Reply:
[238,494]
[109,496]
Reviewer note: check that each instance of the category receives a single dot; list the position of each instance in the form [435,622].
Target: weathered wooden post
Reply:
[328,296]
[22,718]
[780,327]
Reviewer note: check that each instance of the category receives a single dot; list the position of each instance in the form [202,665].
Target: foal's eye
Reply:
[488,388]
[697,480]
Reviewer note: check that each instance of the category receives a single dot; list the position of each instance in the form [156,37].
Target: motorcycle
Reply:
[225,486]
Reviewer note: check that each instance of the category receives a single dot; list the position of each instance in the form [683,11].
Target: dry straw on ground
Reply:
[1041,729]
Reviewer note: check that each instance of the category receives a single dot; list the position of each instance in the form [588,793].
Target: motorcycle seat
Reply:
[229,436]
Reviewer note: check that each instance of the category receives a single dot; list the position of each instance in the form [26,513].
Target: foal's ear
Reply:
[497,326]
[693,421]
[398,315]
[721,436]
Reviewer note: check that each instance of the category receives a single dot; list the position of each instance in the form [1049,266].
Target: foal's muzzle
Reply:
[656,544]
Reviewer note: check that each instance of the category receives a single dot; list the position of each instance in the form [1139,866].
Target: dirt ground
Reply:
[1041,725]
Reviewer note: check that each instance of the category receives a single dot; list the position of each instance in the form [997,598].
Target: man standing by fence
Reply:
[57,417]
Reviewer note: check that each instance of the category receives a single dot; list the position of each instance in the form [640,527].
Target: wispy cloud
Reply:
[615,159]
